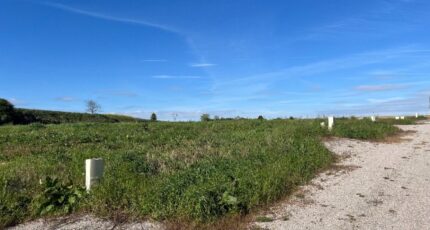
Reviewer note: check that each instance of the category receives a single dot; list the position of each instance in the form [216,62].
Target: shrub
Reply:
[6,111]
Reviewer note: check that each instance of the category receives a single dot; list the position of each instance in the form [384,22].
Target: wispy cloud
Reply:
[385,87]
[175,77]
[153,60]
[405,104]
[202,64]
[113,18]
[65,99]
[352,61]
[384,100]
[139,22]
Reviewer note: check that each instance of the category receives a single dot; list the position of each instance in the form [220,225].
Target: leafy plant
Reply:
[58,196]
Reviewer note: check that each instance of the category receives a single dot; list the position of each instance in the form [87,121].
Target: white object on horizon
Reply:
[93,171]
[416,115]
[397,118]
[373,118]
[402,117]
[330,123]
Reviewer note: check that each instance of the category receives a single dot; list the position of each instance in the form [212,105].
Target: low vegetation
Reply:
[406,121]
[11,115]
[192,171]
[363,129]
[28,116]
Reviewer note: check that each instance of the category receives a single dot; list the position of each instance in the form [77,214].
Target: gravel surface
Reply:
[375,186]
[83,222]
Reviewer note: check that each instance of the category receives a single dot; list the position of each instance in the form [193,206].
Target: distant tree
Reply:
[92,107]
[153,117]
[260,117]
[205,117]
[6,111]
[291,118]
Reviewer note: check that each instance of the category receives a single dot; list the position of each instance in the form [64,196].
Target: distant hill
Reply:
[27,116]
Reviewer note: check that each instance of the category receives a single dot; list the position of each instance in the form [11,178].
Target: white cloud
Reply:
[385,100]
[112,18]
[385,106]
[202,64]
[385,87]
[65,99]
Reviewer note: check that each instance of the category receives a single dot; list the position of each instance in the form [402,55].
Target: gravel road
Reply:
[375,186]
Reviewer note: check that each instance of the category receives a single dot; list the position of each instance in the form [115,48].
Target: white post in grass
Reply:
[330,123]
[402,117]
[416,115]
[93,171]
[322,124]
[373,118]
[397,118]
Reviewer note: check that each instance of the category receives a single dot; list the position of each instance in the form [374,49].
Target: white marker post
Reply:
[397,118]
[416,115]
[330,123]
[402,117]
[373,118]
[322,124]
[93,171]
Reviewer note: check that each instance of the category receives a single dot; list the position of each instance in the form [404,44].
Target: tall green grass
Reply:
[198,171]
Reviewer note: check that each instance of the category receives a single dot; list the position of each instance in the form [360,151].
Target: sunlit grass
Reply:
[198,171]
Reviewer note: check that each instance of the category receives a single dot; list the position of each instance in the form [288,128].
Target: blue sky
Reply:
[227,58]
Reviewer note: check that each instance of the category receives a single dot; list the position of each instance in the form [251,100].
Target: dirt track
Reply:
[375,186]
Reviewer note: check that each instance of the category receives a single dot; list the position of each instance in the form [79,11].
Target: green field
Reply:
[192,171]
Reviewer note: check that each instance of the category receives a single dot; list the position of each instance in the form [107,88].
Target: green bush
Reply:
[6,112]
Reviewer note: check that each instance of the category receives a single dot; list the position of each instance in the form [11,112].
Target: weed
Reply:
[58,196]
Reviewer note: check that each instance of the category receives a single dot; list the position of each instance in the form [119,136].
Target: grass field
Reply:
[194,171]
